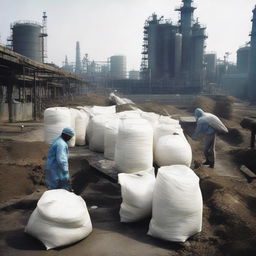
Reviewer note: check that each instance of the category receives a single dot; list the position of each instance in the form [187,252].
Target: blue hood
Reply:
[198,113]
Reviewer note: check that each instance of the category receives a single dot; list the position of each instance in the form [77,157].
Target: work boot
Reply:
[207,162]
[211,165]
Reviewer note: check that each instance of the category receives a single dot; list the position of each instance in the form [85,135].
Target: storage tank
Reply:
[118,67]
[211,62]
[243,54]
[27,40]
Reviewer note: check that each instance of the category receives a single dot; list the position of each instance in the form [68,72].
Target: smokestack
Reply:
[78,59]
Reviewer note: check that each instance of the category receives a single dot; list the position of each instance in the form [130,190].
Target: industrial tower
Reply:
[186,19]
[173,54]
[78,59]
[252,60]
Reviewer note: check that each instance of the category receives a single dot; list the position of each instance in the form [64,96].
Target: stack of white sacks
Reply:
[134,140]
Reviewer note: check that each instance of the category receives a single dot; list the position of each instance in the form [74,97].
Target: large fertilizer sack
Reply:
[137,195]
[55,119]
[81,123]
[172,150]
[60,218]
[177,204]
[134,146]
[97,126]
[129,114]
[213,121]
[166,129]
[167,120]
[102,110]
[110,138]
[151,117]
[73,113]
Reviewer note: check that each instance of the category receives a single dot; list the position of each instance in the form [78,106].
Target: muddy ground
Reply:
[229,198]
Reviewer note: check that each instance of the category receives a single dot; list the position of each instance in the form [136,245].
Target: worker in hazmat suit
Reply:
[57,171]
[208,125]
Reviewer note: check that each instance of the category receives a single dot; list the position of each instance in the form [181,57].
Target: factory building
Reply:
[242,63]
[174,52]
[210,60]
[252,60]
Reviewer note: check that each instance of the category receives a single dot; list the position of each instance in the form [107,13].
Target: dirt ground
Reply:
[229,198]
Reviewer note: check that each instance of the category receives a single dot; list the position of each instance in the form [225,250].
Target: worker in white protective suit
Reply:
[57,170]
[208,125]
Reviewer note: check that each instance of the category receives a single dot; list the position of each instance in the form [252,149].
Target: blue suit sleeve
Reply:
[62,158]
[197,131]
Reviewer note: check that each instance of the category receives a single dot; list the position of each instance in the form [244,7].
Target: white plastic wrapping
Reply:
[55,119]
[60,218]
[177,204]
[172,150]
[134,146]
[110,137]
[137,195]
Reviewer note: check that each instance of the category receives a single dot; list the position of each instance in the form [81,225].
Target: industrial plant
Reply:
[173,60]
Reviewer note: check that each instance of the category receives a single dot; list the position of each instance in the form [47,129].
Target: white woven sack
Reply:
[134,146]
[137,195]
[129,114]
[103,110]
[97,126]
[55,120]
[171,150]
[167,120]
[214,122]
[177,204]
[166,129]
[82,120]
[60,218]
[110,137]
[151,117]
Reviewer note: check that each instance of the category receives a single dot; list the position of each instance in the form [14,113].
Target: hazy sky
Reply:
[109,27]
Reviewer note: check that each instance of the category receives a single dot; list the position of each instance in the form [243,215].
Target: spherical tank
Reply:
[27,40]
[243,54]
[118,67]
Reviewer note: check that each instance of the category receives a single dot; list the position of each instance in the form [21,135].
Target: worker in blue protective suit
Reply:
[204,128]
[57,171]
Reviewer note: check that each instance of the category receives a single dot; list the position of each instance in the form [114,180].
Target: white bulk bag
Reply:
[103,110]
[55,120]
[110,137]
[82,120]
[177,204]
[167,120]
[166,129]
[134,146]
[129,114]
[97,126]
[171,150]
[73,113]
[60,218]
[151,117]
[137,195]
